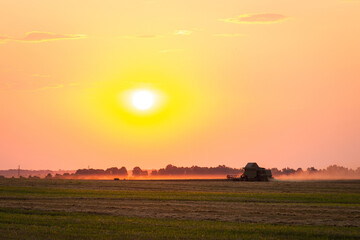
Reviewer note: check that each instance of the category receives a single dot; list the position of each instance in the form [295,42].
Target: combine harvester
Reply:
[253,173]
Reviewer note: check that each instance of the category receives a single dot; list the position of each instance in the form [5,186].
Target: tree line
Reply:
[171,170]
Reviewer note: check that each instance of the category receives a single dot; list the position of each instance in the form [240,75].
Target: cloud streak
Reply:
[36,36]
[182,32]
[47,36]
[264,18]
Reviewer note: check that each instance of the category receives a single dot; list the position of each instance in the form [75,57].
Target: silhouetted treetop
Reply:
[110,171]
[138,172]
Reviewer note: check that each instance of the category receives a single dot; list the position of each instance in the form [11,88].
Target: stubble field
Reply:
[179,209]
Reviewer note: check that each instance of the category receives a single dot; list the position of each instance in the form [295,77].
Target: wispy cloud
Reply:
[3,39]
[48,36]
[256,18]
[36,36]
[182,32]
[228,35]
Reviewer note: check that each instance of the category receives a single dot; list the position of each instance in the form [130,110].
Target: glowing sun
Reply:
[143,99]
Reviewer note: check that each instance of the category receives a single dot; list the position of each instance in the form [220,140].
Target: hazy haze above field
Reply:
[275,82]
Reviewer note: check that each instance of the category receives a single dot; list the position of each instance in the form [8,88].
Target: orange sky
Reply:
[276,82]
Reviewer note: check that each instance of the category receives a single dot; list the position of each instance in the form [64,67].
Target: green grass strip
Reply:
[306,198]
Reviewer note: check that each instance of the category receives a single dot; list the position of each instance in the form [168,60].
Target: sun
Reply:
[143,99]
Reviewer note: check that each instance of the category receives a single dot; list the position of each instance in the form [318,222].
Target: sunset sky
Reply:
[271,81]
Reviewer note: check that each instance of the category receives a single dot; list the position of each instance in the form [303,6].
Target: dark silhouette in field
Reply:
[252,172]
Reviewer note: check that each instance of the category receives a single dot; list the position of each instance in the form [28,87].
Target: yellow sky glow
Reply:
[274,82]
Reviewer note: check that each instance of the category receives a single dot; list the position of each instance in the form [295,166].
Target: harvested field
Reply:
[324,207]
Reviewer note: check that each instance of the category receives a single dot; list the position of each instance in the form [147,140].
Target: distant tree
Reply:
[311,170]
[90,171]
[275,172]
[173,170]
[33,177]
[161,171]
[196,170]
[138,172]
[112,171]
[288,171]
[334,169]
[123,171]
[48,176]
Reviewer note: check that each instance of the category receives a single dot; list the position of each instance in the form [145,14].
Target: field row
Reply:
[350,199]
[352,186]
